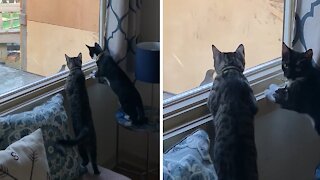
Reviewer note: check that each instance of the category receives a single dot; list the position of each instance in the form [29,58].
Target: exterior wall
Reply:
[55,28]
[71,13]
[47,44]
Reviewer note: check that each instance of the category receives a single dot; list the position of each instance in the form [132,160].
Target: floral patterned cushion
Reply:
[189,159]
[64,163]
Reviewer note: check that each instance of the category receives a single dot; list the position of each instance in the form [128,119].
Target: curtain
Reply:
[307,27]
[122,31]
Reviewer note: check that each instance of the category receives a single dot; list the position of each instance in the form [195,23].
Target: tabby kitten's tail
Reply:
[78,140]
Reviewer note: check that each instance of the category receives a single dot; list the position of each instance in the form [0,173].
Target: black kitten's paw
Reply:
[95,169]
[96,172]
[281,95]
[85,162]
[93,74]
[270,91]
[140,122]
[83,170]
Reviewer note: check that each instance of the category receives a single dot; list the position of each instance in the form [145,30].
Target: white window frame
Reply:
[188,110]
[47,86]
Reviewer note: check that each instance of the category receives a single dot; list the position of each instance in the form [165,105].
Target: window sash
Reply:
[48,85]
[183,111]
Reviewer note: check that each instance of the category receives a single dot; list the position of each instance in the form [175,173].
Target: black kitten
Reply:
[302,95]
[233,107]
[129,97]
[80,113]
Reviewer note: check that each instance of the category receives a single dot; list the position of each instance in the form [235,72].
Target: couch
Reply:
[50,118]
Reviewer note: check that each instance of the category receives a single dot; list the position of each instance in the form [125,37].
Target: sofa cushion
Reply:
[189,159]
[25,159]
[52,119]
[105,174]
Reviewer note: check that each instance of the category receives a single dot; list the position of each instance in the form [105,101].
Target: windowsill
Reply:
[188,110]
[39,89]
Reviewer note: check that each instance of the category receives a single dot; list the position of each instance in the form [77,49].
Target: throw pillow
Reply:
[189,159]
[51,117]
[25,159]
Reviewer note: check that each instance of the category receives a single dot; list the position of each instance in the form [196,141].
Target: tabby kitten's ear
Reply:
[67,57]
[216,59]
[240,50]
[216,53]
[80,56]
[308,54]
[78,60]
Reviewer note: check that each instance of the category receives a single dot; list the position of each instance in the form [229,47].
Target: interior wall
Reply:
[150,20]
[288,146]
[104,105]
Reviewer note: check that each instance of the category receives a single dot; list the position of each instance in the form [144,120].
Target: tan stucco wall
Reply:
[59,27]
[191,27]
[47,44]
[71,13]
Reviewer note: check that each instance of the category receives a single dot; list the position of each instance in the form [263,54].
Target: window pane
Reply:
[33,47]
[191,27]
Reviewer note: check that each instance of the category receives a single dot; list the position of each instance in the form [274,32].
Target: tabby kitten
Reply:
[233,107]
[80,111]
[108,71]
[302,95]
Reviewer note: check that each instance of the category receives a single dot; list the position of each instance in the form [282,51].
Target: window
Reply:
[190,27]
[33,40]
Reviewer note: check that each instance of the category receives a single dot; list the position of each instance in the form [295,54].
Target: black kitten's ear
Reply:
[98,47]
[80,56]
[240,50]
[285,49]
[88,47]
[308,54]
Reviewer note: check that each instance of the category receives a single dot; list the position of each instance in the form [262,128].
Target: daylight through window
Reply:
[35,36]
[191,27]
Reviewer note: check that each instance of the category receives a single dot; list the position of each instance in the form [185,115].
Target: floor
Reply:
[11,78]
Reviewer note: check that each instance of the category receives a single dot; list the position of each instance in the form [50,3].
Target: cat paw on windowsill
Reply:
[93,74]
[269,93]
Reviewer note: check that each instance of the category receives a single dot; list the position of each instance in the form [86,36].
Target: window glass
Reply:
[35,35]
[191,27]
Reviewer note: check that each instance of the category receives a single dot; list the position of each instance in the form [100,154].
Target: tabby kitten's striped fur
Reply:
[233,107]
[80,112]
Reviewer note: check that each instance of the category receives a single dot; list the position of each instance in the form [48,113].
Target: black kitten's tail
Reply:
[73,142]
[142,119]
